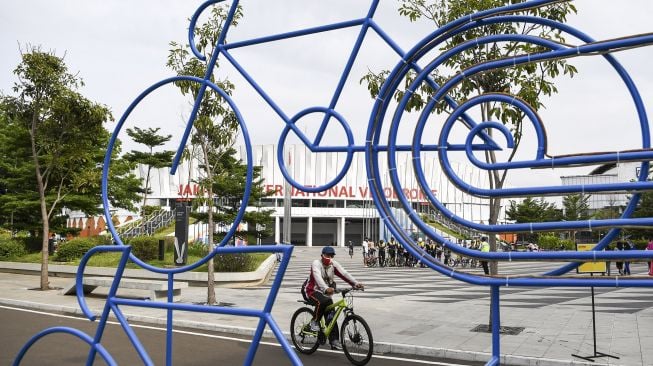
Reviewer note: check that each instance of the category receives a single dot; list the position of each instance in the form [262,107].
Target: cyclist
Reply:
[485,247]
[321,286]
[392,251]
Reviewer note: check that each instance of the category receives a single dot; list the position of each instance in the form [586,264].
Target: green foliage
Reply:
[530,82]
[640,244]
[151,139]
[70,141]
[146,248]
[576,207]
[31,243]
[148,210]
[198,250]
[238,262]
[229,186]
[644,209]
[74,249]
[532,210]
[213,135]
[11,249]
[551,241]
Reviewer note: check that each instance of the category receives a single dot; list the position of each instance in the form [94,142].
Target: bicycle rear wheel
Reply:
[357,340]
[305,341]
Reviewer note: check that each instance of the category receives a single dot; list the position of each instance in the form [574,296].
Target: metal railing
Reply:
[148,225]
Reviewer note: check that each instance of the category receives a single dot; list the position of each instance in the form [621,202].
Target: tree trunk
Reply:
[495,208]
[45,282]
[210,289]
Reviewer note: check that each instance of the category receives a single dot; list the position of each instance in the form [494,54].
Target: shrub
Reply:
[74,249]
[169,243]
[567,244]
[238,262]
[146,248]
[640,244]
[32,244]
[198,249]
[548,241]
[10,249]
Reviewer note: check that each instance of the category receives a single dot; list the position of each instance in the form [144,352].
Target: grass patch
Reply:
[442,228]
[30,258]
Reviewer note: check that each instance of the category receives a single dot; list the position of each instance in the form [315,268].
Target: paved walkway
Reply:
[415,311]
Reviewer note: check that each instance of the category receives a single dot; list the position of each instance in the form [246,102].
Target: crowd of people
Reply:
[392,254]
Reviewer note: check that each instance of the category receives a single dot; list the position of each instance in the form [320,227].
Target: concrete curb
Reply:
[379,347]
[222,279]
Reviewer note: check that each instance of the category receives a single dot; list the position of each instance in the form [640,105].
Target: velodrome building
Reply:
[333,217]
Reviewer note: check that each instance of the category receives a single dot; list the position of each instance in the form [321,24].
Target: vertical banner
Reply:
[182,210]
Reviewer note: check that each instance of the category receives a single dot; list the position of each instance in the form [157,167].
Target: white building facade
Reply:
[340,214]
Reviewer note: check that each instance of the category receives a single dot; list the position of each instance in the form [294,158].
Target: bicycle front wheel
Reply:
[305,341]
[357,340]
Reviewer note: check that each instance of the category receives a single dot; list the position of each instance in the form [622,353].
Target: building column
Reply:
[309,231]
[277,230]
[341,235]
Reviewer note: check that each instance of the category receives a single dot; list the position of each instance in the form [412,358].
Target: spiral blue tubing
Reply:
[373,147]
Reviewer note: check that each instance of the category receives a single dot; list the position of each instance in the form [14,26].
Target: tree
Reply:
[528,82]
[532,210]
[229,185]
[150,138]
[215,127]
[644,209]
[58,135]
[575,208]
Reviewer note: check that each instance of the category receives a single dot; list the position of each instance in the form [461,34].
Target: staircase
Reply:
[148,225]
[456,228]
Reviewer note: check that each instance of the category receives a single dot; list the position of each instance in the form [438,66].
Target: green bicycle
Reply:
[355,334]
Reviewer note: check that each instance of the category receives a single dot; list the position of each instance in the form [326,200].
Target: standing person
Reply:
[52,244]
[392,251]
[365,251]
[321,285]
[422,246]
[400,255]
[627,246]
[650,264]
[447,256]
[381,253]
[485,247]
[278,253]
[620,265]
[351,249]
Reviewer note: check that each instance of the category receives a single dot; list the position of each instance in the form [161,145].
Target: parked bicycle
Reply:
[355,334]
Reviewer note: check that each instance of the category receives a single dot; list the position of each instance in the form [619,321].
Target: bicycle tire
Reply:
[356,339]
[304,342]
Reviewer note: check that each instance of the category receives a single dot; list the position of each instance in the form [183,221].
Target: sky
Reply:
[119,48]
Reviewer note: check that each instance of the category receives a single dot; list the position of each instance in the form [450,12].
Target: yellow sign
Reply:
[590,267]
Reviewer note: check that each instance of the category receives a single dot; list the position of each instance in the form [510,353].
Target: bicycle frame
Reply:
[366,23]
[339,306]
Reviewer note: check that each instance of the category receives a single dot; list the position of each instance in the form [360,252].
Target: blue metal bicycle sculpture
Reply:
[373,147]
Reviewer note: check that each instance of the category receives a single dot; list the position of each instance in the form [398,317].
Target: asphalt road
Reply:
[191,347]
